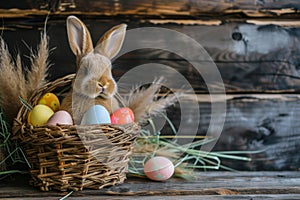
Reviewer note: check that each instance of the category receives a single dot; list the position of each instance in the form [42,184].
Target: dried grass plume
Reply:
[17,81]
[146,102]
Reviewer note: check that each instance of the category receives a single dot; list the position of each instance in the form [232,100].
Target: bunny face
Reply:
[94,78]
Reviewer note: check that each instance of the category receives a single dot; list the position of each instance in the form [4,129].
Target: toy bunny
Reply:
[94,84]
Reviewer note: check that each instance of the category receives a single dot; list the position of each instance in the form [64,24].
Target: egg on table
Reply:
[60,117]
[159,168]
[40,114]
[96,114]
[51,100]
[122,116]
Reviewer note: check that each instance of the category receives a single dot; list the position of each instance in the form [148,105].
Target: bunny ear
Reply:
[79,37]
[111,42]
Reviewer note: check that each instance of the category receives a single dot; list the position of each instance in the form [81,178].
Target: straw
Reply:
[13,154]
[186,158]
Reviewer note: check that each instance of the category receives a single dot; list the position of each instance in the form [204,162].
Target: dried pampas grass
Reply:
[16,82]
[39,65]
[12,83]
[147,102]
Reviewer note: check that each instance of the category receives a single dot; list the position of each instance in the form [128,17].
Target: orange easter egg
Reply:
[122,116]
[50,100]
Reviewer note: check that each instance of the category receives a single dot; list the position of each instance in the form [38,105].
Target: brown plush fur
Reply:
[94,84]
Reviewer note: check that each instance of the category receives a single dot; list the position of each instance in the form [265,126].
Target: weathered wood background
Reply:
[255,45]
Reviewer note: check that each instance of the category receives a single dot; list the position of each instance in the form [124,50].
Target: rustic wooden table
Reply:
[208,185]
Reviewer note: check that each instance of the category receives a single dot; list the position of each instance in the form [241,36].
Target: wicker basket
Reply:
[74,157]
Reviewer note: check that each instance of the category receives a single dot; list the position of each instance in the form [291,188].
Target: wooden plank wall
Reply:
[260,69]
[155,8]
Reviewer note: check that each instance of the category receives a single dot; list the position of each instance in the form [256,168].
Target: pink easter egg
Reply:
[122,116]
[60,117]
[159,168]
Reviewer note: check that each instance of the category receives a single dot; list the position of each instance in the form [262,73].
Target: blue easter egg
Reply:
[96,114]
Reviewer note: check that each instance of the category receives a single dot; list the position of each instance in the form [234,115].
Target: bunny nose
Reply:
[101,87]
[102,90]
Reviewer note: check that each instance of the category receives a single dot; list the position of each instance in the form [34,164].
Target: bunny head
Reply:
[93,74]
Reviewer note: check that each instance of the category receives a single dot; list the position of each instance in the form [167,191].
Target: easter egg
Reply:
[96,114]
[40,114]
[60,117]
[159,168]
[51,100]
[122,116]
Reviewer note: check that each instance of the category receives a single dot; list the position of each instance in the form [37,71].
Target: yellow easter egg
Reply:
[51,100]
[40,114]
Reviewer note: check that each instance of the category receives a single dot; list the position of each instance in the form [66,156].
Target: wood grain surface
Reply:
[252,123]
[208,185]
[155,9]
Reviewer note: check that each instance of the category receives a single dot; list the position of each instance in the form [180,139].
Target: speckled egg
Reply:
[60,117]
[122,116]
[51,100]
[97,114]
[159,168]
